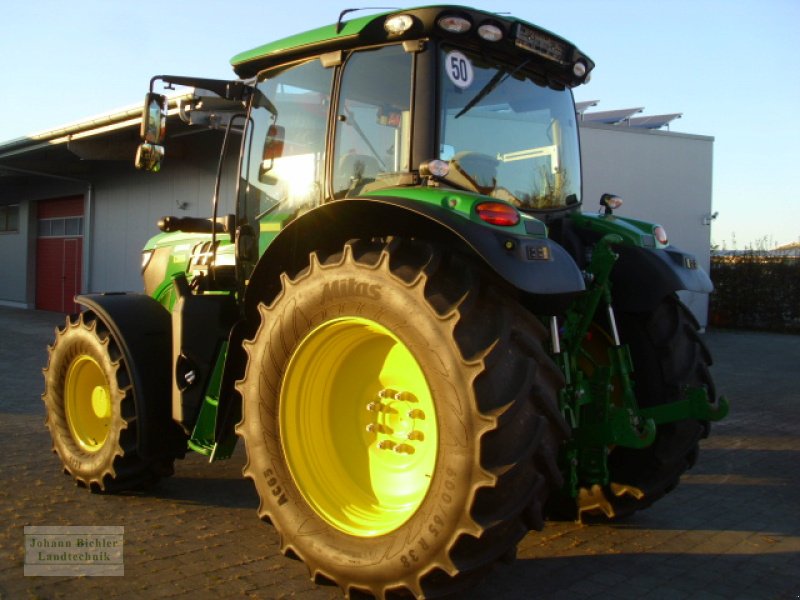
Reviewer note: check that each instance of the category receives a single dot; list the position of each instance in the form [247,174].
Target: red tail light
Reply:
[497,213]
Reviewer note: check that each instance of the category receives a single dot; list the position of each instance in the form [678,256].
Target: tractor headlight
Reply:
[398,24]
[490,32]
[454,23]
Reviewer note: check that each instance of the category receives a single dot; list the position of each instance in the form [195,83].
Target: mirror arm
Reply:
[230,90]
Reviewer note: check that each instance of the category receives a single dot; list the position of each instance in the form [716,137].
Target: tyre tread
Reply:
[515,467]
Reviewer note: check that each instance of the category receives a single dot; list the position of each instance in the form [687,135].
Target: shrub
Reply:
[755,290]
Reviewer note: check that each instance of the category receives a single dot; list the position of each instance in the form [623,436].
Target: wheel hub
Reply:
[396,422]
[101,403]
[87,403]
[358,426]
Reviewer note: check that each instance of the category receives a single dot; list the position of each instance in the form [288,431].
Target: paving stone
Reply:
[730,530]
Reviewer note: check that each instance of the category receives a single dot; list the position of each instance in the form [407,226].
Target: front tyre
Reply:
[668,357]
[400,419]
[90,409]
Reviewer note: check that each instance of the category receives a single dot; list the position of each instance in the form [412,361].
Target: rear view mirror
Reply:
[154,118]
[149,157]
[273,147]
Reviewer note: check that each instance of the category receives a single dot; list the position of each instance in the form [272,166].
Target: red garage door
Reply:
[59,253]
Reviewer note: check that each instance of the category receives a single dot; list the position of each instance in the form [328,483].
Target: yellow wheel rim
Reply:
[87,401]
[358,426]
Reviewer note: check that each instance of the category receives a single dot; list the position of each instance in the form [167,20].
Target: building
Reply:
[74,213]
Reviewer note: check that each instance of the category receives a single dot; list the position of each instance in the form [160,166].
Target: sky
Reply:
[730,66]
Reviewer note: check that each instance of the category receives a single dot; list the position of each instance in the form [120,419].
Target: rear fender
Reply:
[643,277]
[535,266]
[647,271]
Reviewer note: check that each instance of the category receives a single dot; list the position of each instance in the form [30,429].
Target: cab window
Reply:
[285,147]
[373,120]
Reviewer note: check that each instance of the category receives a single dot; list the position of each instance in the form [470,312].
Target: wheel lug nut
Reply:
[387,393]
[405,397]
[386,444]
[378,428]
[416,436]
[404,449]
[416,414]
[375,407]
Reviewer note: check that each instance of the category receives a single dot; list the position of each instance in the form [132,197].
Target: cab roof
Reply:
[519,38]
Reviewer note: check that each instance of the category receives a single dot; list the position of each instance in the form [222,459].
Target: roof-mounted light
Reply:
[611,202]
[454,24]
[490,32]
[579,69]
[398,24]
[434,168]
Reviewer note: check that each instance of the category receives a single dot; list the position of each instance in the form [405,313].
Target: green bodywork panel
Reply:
[307,38]
[270,227]
[202,438]
[459,202]
[181,248]
[630,231]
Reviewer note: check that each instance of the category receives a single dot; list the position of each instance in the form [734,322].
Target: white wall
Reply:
[663,177]
[14,250]
[127,207]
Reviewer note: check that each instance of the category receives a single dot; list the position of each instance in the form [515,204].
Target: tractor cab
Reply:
[443,98]
[438,96]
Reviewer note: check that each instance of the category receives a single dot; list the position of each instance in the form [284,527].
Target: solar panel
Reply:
[611,117]
[581,107]
[653,121]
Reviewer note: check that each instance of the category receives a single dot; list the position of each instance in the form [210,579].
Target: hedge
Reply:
[754,291]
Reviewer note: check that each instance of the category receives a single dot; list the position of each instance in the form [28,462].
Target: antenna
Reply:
[340,25]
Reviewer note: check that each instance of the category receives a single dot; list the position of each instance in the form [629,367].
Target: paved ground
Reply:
[731,530]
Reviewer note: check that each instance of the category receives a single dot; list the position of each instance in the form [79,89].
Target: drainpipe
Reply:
[88,218]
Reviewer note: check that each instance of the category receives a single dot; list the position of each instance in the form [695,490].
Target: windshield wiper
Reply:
[495,81]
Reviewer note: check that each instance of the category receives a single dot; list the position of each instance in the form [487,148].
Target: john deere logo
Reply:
[349,287]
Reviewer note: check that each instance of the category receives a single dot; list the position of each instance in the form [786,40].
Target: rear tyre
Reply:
[668,356]
[400,420]
[91,413]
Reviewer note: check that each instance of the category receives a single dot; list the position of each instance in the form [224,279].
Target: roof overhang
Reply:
[71,150]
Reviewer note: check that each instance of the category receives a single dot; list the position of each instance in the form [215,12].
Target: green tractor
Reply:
[397,303]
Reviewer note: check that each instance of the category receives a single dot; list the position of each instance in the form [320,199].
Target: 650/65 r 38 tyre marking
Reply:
[400,419]
[90,409]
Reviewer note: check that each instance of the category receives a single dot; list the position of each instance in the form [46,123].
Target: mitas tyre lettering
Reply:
[384,392]
[349,287]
